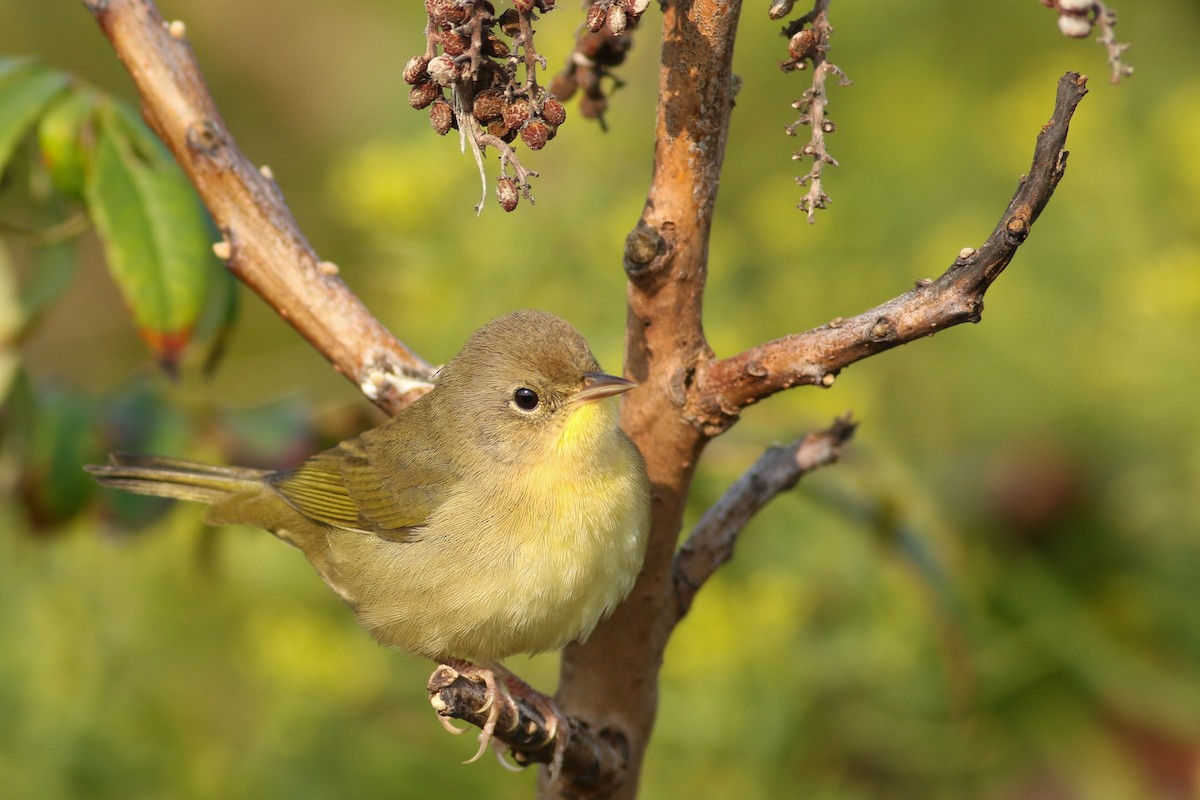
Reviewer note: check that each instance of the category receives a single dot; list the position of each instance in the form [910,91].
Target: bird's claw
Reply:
[450,726]
[496,692]
[492,692]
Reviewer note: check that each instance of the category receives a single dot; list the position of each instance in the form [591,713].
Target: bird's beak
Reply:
[598,385]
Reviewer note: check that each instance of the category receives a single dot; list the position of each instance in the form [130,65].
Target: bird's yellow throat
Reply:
[583,429]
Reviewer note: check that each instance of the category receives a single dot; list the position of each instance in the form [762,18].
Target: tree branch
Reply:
[724,387]
[711,542]
[593,762]
[611,680]
[263,245]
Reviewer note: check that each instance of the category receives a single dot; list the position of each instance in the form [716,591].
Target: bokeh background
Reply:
[994,595]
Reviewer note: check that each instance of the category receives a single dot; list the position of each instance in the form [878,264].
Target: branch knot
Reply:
[205,136]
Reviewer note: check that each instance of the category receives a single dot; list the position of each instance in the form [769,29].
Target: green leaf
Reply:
[155,232]
[58,439]
[25,91]
[66,134]
[53,268]
[220,316]
[11,318]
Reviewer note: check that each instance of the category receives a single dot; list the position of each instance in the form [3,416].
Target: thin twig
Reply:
[263,244]
[811,44]
[594,760]
[711,542]
[724,387]
[1106,20]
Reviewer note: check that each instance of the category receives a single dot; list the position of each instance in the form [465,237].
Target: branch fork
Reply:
[690,395]
[723,387]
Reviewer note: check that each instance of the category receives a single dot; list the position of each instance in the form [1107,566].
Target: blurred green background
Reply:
[994,595]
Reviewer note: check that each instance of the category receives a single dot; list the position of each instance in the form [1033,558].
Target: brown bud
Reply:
[507,193]
[592,106]
[495,47]
[553,112]
[416,70]
[497,128]
[803,44]
[516,112]
[1076,27]
[524,6]
[563,85]
[423,94]
[510,23]
[780,8]
[612,51]
[635,8]
[453,44]
[535,135]
[441,116]
[447,12]
[618,20]
[488,105]
[443,70]
[590,44]
[596,14]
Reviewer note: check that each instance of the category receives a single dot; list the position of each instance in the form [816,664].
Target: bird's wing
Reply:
[361,485]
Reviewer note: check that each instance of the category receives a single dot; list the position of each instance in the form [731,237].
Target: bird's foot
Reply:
[545,706]
[501,690]
[494,694]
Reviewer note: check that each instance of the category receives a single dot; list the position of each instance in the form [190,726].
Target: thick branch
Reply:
[725,387]
[263,244]
[711,542]
[612,679]
[593,762]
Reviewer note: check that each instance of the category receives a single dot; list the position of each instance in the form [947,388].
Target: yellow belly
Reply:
[507,568]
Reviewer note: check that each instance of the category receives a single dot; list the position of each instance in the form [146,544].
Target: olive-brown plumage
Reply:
[504,512]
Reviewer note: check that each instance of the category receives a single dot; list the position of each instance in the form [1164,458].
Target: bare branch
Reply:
[263,245]
[711,542]
[811,44]
[724,387]
[594,760]
[611,679]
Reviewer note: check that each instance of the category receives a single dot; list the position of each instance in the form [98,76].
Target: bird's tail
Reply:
[174,477]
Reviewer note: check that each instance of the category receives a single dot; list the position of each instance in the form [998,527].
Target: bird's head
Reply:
[526,386]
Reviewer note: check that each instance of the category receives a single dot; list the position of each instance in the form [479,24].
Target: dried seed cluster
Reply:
[1078,18]
[1075,17]
[478,75]
[601,47]
[469,77]
[808,43]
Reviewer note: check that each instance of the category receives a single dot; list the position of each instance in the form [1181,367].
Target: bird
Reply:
[503,512]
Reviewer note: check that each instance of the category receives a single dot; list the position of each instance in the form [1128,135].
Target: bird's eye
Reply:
[526,399]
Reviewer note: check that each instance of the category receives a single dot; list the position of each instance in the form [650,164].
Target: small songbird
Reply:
[503,512]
